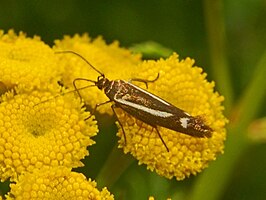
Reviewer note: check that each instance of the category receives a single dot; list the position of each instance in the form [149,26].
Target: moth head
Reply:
[102,82]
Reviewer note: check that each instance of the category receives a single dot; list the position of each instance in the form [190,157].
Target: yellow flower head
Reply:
[36,133]
[185,87]
[56,183]
[152,198]
[26,61]
[112,60]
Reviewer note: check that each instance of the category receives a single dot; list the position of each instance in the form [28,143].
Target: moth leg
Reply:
[113,108]
[155,127]
[161,137]
[96,106]
[144,80]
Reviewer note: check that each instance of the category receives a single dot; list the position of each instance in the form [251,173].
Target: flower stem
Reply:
[217,40]
[114,167]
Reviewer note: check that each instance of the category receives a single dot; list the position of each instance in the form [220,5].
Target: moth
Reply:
[146,106]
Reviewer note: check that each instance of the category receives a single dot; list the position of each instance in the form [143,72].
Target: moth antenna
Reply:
[68,92]
[73,52]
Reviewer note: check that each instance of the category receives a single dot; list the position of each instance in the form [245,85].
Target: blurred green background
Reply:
[226,38]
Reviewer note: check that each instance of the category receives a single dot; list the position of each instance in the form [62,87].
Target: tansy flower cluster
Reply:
[41,130]
[44,127]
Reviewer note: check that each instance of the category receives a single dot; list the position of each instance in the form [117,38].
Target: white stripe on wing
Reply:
[153,112]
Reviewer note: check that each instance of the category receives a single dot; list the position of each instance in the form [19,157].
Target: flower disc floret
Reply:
[39,130]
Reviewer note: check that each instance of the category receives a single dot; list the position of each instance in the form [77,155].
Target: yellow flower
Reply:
[26,61]
[56,183]
[152,198]
[36,133]
[112,60]
[186,87]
